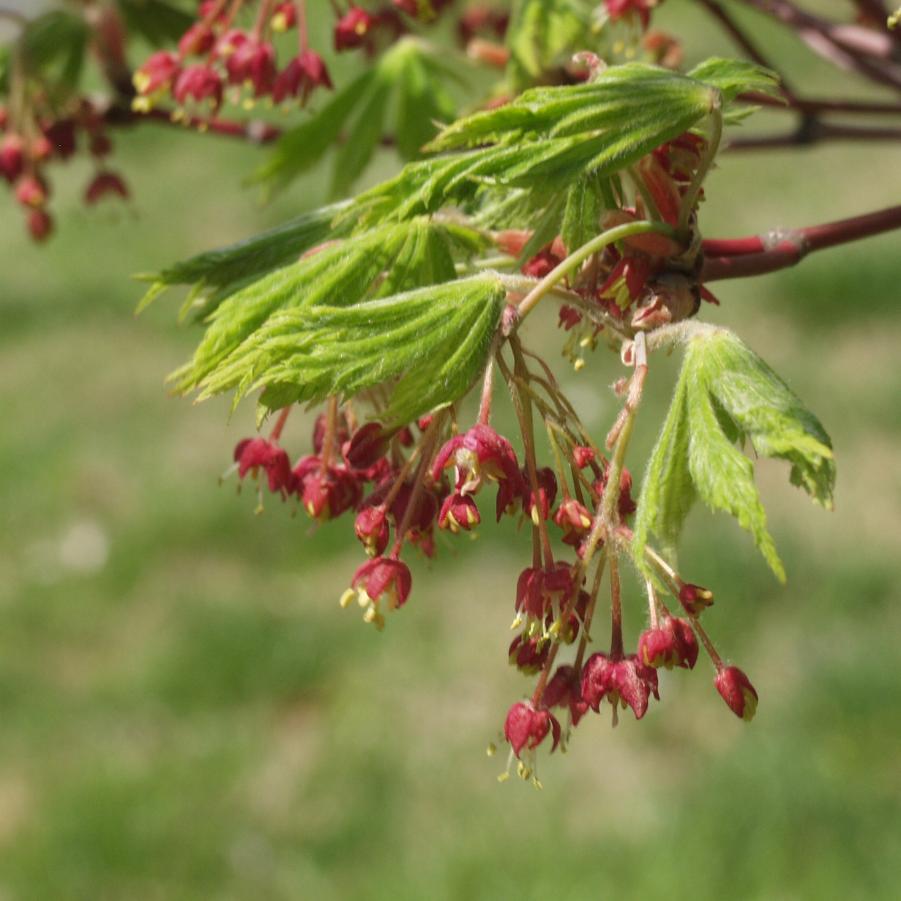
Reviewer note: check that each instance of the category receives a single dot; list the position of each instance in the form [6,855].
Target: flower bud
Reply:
[694,598]
[371,527]
[736,690]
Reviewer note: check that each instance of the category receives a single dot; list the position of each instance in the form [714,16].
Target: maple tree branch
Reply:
[811,131]
[255,131]
[759,254]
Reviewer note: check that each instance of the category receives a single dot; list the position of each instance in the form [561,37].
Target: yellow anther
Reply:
[347,598]
[491,750]
[585,520]
[535,517]
[523,771]
[536,783]
[579,365]
[503,777]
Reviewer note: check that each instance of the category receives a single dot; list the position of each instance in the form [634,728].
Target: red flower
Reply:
[40,224]
[31,191]
[371,527]
[542,263]
[253,454]
[540,507]
[378,578]
[544,592]
[694,598]
[458,512]
[478,454]
[198,82]
[352,29]
[628,9]
[624,681]
[565,690]
[529,655]
[12,157]
[197,40]
[736,690]
[326,492]
[672,643]
[574,519]
[365,447]
[104,184]
[300,77]
[526,727]
[284,16]
[252,62]
[157,74]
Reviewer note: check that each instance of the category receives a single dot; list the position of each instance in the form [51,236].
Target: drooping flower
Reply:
[694,598]
[382,578]
[526,727]
[736,690]
[254,454]
[157,74]
[303,74]
[479,454]
[352,29]
[105,184]
[565,690]
[625,681]
[200,83]
[670,644]
[459,513]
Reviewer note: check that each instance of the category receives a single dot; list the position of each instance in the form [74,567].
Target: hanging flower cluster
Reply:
[33,136]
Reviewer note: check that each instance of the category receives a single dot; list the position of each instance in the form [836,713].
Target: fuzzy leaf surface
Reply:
[726,396]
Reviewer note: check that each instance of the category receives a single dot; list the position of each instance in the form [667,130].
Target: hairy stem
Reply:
[577,257]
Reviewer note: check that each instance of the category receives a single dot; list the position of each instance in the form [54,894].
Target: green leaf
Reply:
[217,273]
[432,343]
[55,46]
[734,76]
[391,258]
[542,33]
[300,149]
[411,75]
[156,21]
[725,395]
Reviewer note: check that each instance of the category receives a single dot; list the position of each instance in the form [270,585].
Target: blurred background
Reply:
[185,712]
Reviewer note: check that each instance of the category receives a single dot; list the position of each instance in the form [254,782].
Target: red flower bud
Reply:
[629,9]
[582,456]
[736,690]
[526,727]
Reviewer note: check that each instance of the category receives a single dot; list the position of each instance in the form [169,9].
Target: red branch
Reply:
[257,132]
[757,255]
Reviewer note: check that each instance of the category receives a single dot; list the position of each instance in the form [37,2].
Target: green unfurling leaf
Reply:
[216,274]
[429,345]
[157,21]
[410,76]
[727,395]
[542,33]
[393,258]
[735,76]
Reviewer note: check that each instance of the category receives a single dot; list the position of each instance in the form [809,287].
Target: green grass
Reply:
[186,712]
